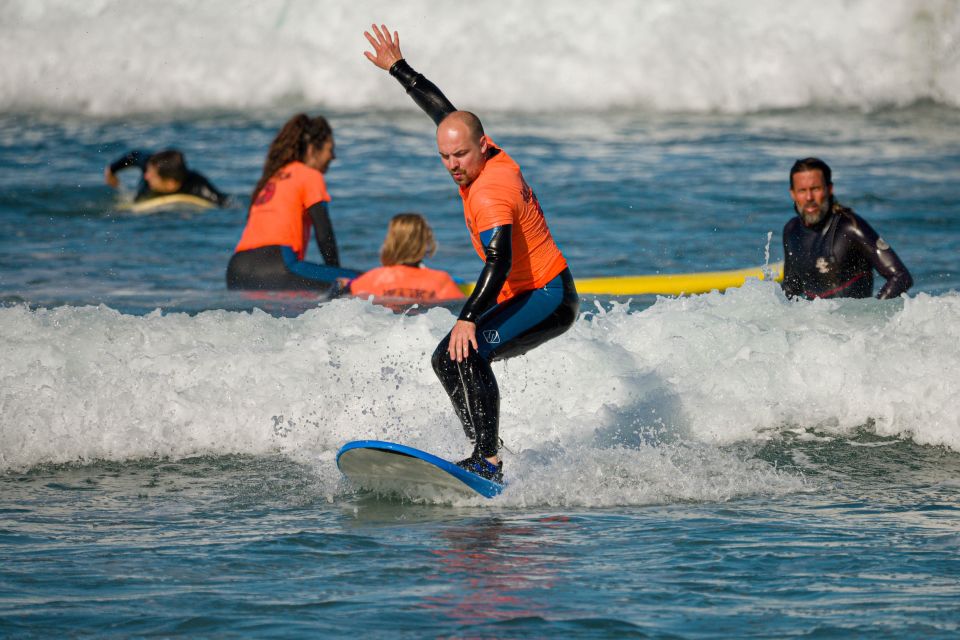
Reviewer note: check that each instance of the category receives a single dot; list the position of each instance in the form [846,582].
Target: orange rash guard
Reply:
[279,214]
[403,281]
[500,196]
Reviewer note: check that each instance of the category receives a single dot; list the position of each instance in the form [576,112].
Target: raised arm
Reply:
[386,55]
[131,159]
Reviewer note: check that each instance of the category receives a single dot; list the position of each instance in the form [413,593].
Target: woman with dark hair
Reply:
[290,198]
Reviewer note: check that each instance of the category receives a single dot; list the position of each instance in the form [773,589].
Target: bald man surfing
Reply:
[524,295]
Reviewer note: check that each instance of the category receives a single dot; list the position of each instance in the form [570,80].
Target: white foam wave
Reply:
[115,57]
[629,406]
[732,366]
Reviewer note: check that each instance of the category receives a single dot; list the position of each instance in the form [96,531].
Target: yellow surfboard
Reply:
[668,284]
[174,200]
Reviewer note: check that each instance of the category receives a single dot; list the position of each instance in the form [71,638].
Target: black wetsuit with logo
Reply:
[194,184]
[836,257]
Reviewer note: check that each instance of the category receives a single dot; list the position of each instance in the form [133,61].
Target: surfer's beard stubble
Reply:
[810,219]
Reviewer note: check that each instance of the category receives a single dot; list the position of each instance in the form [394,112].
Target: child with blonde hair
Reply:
[403,275]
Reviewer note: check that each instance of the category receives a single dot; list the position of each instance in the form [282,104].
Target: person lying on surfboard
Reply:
[164,173]
[829,251]
[524,294]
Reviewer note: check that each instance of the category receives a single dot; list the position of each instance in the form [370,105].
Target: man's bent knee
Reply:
[440,358]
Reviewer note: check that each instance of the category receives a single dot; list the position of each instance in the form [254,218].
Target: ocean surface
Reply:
[721,465]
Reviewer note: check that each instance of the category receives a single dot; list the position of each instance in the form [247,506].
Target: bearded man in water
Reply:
[829,251]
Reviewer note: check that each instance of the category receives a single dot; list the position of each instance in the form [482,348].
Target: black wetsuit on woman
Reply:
[835,258]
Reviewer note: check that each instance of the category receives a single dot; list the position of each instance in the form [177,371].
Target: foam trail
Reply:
[114,57]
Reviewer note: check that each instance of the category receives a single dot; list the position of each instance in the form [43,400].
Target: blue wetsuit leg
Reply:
[504,331]
[313,271]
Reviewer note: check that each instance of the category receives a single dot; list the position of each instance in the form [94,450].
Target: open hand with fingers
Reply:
[386,47]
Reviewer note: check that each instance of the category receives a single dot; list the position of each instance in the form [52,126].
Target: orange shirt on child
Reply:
[403,281]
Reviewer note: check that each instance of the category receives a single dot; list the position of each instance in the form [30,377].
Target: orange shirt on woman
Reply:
[278,216]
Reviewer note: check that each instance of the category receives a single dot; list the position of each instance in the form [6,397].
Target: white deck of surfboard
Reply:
[389,468]
[172,201]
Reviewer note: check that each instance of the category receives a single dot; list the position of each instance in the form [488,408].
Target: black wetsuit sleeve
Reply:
[132,159]
[499,260]
[881,257]
[323,232]
[890,266]
[215,194]
[426,94]
[196,184]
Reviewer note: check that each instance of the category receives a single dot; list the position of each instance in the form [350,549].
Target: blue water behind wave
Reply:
[625,193]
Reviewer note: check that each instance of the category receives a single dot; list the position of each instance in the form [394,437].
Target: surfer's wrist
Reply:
[403,72]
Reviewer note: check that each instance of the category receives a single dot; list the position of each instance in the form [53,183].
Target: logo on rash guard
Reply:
[492,336]
[527,194]
[266,193]
[822,265]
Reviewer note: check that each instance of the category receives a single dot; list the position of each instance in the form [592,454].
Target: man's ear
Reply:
[484,144]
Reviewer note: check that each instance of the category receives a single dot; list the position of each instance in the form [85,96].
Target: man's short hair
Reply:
[169,164]
[812,164]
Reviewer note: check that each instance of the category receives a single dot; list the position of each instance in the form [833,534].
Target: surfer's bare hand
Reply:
[385,46]
[110,178]
[463,335]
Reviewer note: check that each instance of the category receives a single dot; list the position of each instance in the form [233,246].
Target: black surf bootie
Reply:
[482,467]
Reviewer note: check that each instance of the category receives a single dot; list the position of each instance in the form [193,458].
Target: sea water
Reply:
[722,465]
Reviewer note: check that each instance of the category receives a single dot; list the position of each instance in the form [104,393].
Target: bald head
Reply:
[466,121]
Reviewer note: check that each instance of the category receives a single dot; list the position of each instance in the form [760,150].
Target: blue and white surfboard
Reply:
[387,467]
